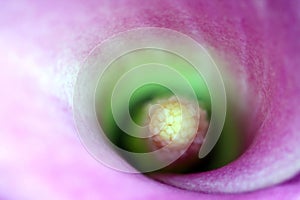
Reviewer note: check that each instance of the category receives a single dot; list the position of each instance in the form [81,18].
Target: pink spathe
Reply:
[43,44]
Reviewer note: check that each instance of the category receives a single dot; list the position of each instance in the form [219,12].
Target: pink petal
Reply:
[43,44]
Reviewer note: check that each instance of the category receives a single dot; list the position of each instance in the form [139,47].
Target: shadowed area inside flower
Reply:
[233,139]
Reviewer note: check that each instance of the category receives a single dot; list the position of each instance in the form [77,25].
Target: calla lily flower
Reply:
[43,44]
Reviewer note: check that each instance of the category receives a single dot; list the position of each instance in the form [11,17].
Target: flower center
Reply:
[175,122]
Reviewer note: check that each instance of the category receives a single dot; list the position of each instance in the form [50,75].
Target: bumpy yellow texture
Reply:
[174,122]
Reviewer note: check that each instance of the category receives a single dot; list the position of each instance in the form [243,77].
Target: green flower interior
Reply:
[228,147]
